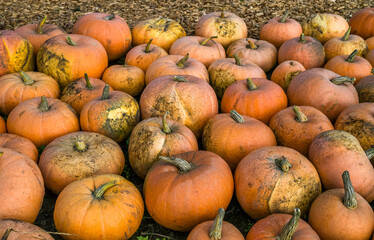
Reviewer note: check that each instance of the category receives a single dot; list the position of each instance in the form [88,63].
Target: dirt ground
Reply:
[15,13]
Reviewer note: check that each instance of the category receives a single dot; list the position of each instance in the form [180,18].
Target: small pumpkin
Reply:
[362,22]
[106,207]
[285,72]
[11,229]
[19,144]
[365,89]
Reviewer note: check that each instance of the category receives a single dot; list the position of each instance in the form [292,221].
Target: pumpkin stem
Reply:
[1,154]
[292,63]
[251,85]
[100,191]
[105,95]
[351,56]
[222,14]
[183,60]
[6,234]
[109,17]
[165,128]
[300,116]
[302,38]
[350,200]
[237,60]
[215,232]
[207,40]
[285,16]
[236,116]
[148,45]
[88,83]
[251,45]
[283,163]
[181,164]
[80,146]
[370,154]
[39,30]
[43,106]
[346,34]
[341,80]
[179,79]
[70,41]
[26,78]
[290,227]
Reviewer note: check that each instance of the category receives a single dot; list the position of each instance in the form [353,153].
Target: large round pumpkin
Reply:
[19,144]
[20,230]
[362,22]
[105,207]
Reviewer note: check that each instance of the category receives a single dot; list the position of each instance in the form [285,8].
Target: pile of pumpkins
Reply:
[201,118]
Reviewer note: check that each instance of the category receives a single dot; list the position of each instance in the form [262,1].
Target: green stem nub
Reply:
[165,128]
[352,56]
[179,78]
[250,84]
[70,41]
[346,34]
[43,106]
[222,14]
[300,116]
[205,41]
[290,227]
[105,95]
[302,38]
[341,80]
[26,78]
[39,30]
[181,164]
[182,61]
[236,116]
[7,233]
[88,83]
[100,191]
[284,18]
[148,46]
[237,60]
[80,146]
[350,200]
[215,232]
[109,17]
[283,163]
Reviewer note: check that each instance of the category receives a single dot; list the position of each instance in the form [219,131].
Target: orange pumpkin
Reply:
[18,87]
[370,57]
[203,176]
[19,144]
[37,118]
[106,207]
[362,22]
[370,43]
[21,185]
[16,53]
[285,72]
[365,89]
[69,57]
[110,30]
[11,229]
[2,125]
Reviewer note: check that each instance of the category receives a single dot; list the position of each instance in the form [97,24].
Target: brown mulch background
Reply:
[15,13]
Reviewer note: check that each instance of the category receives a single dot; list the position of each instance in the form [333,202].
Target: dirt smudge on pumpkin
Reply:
[220,80]
[225,27]
[338,138]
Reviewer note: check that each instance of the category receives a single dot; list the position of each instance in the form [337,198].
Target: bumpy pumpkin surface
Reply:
[365,89]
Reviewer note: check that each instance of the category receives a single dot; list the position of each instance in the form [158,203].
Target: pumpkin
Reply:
[143,55]
[68,57]
[275,179]
[38,33]
[324,26]
[79,155]
[365,89]
[216,229]
[20,145]
[226,71]
[11,229]
[350,65]
[370,43]
[18,87]
[259,52]
[163,31]
[16,53]
[285,72]
[362,22]
[227,26]
[176,65]
[306,50]
[358,120]
[204,50]
[155,137]
[82,90]
[232,136]
[258,98]
[188,99]
[21,185]
[201,175]
[334,151]
[37,118]
[296,127]
[370,57]
[323,89]
[104,207]
[278,30]
[110,30]
[114,114]
[342,213]
[283,227]
[2,125]
[345,45]
[125,78]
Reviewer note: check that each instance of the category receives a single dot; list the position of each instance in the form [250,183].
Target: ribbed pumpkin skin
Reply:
[21,185]
[362,23]
[16,53]
[13,90]
[365,89]
[19,144]
[23,230]
[116,216]
[201,232]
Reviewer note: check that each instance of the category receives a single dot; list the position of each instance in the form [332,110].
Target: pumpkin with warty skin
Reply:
[365,89]
[201,175]
[37,119]
[285,72]
[21,185]
[19,87]
[19,144]
[106,207]
[2,125]
[16,53]
[110,30]
[362,22]
[11,229]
